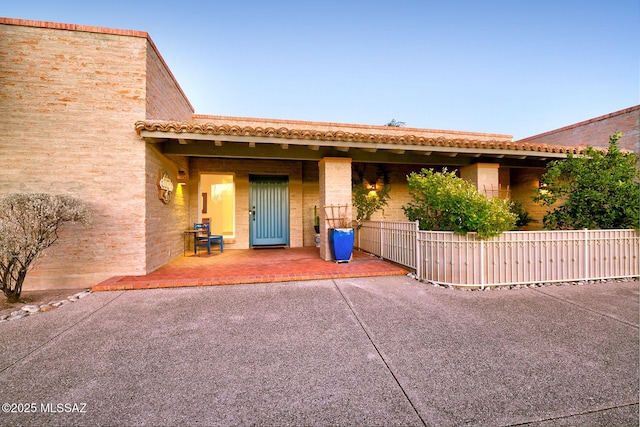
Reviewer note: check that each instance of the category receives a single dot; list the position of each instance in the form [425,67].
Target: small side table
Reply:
[188,233]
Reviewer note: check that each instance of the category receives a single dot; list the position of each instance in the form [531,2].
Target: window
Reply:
[218,203]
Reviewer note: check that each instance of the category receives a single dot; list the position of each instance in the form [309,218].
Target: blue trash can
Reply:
[341,243]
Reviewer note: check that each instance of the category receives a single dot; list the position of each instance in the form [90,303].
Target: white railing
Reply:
[392,240]
[516,257]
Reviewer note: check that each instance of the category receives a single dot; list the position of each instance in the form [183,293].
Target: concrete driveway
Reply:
[377,351]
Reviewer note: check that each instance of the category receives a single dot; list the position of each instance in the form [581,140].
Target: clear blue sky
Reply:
[519,67]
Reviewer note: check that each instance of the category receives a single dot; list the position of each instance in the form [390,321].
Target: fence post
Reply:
[381,240]
[482,279]
[418,255]
[586,253]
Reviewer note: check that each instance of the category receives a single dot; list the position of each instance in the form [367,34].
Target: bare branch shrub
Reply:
[29,224]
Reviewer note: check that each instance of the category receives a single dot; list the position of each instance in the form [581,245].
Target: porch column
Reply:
[485,176]
[335,189]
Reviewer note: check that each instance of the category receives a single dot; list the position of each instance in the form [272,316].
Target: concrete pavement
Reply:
[366,351]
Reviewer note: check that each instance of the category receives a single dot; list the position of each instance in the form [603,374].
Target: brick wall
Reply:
[524,182]
[241,169]
[596,132]
[165,223]
[335,174]
[165,98]
[310,198]
[69,98]
[521,182]
[69,101]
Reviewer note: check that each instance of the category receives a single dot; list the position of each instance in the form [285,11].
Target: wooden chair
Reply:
[205,239]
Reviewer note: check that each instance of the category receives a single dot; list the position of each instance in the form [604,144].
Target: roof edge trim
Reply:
[582,123]
[72,27]
[401,140]
[349,125]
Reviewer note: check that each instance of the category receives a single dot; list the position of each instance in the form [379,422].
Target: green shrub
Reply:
[596,190]
[365,201]
[523,218]
[443,201]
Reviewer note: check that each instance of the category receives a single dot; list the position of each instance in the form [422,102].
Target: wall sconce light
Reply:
[182,177]
[542,187]
[372,190]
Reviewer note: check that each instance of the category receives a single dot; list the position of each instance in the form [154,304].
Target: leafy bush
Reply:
[365,201]
[523,218]
[29,224]
[597,190]
[443,201]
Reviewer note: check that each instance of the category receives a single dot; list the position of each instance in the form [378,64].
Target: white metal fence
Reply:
[516,257]
[392,240]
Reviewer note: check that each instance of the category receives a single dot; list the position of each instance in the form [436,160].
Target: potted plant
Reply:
[316,225]
[316,220]
[340,232]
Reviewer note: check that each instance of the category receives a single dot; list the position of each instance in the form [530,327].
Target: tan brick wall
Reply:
[596,132]
[69,101]
[241,169]
[335,190]
[399,194]
[311,198]
[521,182]
[524,182]
[165,223]
[165,99]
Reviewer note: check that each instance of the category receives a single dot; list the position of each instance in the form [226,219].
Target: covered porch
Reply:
[239,266]
[314,163]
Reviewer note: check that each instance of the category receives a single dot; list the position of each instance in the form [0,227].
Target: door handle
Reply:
[253,213]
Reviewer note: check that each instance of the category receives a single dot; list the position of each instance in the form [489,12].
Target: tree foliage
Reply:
[596,190]
[365,200]
[29,224]
[369,202]
[443,201]
[523,218]
[396,124]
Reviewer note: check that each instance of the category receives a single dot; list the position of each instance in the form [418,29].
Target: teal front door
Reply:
[269,210]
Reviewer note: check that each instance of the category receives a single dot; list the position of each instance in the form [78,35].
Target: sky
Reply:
[517,67]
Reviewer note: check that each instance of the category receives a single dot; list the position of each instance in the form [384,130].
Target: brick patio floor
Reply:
[252,266]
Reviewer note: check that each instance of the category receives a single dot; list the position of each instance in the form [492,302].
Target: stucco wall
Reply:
[68,102]
[596,131]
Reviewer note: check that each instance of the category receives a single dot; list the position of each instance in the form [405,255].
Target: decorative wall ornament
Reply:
[165,186]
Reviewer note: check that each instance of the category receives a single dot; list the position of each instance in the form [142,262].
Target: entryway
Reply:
[238,266]
[268,210]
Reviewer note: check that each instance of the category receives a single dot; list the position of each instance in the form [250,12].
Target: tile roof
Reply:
[332,133]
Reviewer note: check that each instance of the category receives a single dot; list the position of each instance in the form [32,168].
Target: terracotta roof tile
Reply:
[392,136]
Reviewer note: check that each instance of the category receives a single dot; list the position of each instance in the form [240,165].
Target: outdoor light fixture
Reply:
[372,190]
[542,187]
[182,177]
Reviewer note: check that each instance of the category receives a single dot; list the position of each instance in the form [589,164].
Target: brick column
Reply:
[484,176]
[335,189]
